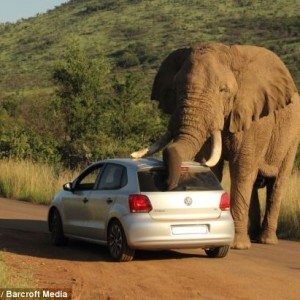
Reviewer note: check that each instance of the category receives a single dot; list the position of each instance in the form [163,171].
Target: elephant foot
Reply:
[241,241]
[268,237]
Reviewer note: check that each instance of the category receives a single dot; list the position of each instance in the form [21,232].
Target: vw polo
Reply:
[123,203]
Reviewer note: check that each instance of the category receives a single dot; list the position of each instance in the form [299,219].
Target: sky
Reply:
[13,10]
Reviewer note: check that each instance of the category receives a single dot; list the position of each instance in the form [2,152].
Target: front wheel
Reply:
[57,236]
[117,243]
[217,252]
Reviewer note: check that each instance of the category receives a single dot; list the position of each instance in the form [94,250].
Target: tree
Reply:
[135,121]
[83,89]
[105,115]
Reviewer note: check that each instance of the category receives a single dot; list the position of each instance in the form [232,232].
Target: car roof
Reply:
[146,163]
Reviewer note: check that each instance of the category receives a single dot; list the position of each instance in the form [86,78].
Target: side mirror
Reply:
[68,187]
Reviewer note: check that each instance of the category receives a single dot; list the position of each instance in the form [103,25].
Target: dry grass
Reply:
[37,183]
[14,279]
[289,218]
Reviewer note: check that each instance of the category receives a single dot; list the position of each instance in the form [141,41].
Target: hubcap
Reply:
[115,240]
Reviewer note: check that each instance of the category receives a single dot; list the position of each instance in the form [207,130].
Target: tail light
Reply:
[225,202]
[139,203]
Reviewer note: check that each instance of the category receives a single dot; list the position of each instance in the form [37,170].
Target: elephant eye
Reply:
[224,88]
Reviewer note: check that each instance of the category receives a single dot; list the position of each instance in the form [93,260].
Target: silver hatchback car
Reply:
[123,204]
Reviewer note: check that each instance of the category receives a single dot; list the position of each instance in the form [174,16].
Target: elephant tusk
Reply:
[216,149]
[139,154]
[157,146]
[161,143]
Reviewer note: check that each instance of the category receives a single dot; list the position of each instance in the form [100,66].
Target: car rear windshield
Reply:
[154,180]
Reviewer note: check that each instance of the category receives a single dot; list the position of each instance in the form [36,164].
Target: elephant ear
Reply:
[163,87]
[265,85]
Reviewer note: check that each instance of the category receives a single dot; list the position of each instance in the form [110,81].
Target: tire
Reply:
[117,243]
[57,236]
[217,252]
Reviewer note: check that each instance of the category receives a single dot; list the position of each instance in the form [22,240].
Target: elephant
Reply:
[235,103]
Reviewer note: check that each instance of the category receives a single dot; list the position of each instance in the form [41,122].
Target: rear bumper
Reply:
[143,232]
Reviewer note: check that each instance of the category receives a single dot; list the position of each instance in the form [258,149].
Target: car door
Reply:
[75,204]
[104,197]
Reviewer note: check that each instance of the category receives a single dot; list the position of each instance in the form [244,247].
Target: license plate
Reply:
[189,229]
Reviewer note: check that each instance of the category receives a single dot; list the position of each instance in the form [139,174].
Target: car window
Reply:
[155,180]
[87,180]
[114,177]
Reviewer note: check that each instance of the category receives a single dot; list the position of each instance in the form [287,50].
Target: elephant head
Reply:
[210,88]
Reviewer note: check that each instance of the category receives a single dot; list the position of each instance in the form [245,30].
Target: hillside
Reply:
[135,35]
[139,34]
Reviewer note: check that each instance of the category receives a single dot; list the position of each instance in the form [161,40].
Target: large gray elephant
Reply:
[241,102]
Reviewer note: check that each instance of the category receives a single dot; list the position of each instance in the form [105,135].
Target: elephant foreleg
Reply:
[155,147]
[241,190]
[275,187]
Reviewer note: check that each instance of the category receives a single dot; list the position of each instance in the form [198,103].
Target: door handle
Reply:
[109,200]
[85,200]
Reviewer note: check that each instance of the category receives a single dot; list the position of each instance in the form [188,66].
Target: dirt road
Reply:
[263,272]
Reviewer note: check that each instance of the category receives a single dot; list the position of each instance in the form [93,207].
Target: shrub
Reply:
[132,31]
[134,54]
[127,60]
[11,104]
[21,143]
[83,88]
[104,115]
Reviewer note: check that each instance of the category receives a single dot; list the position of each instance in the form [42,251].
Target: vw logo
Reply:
[188,201]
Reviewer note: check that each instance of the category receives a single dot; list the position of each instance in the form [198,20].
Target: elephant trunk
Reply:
[195,119]
[184,148]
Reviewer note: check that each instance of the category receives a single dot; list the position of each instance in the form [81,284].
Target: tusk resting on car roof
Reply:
[157,146]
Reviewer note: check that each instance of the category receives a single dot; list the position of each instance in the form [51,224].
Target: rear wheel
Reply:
[57,236]
[117,243]
[217,252]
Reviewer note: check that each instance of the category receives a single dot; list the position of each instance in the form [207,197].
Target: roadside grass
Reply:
[289,218]
[33,182]
[14,278]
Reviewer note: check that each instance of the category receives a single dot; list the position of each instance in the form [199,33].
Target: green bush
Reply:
[130,32]
[104,115]
[144,52]
[134,54]
[20,143]
[127,60]
[11,104]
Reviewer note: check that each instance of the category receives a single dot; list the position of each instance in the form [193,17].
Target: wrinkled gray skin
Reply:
[240,104]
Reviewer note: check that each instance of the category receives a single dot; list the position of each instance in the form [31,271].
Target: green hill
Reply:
[140,33]
[136,35]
